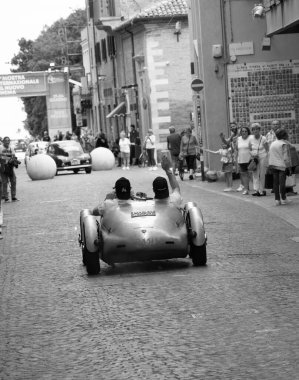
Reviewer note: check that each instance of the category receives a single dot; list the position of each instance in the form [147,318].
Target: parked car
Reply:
[69,155]
[35,147]
[142,230]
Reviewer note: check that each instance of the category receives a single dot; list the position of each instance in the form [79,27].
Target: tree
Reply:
[54,44]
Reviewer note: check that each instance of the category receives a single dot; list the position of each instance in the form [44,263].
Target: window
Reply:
[111,46]
[98,52]
[104,50]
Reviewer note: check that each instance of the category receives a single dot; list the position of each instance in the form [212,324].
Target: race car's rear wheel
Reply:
[76,171]
[92,261]
[84,256]
[87,170]
[198,254]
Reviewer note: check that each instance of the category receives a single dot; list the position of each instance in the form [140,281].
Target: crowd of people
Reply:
[257,157]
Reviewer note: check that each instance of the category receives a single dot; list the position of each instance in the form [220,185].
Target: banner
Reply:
[23,84]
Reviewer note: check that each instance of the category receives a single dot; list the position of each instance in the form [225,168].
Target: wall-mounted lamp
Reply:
[258,11]
[178,29]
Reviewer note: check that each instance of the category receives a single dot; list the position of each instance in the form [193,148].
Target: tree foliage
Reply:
[59,43]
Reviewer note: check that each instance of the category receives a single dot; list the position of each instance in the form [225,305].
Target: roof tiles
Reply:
[165,9]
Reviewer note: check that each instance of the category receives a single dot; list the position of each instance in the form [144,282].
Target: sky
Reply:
[26,19]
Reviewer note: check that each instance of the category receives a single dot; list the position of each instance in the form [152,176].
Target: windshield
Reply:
[65,147]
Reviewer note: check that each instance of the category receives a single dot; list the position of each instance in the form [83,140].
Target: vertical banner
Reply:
[58,104]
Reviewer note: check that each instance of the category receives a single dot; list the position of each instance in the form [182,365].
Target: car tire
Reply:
[198,254]
[84,254]
[76,171]
[92,261]
[87,170]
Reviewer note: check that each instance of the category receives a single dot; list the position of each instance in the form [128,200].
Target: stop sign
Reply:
[197,85]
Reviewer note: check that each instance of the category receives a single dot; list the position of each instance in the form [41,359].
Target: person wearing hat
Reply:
[121,195]
[160,186]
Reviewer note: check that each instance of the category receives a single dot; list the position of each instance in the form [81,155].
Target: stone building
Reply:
[140,69]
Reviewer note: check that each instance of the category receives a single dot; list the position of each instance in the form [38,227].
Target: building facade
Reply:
[138,70]
[250,74]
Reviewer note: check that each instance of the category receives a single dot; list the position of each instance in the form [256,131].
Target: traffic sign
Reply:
[197,85]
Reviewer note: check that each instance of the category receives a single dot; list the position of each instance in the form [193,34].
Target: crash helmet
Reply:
[123,188]
[160,188]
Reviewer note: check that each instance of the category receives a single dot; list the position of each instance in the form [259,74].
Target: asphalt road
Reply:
[236,318]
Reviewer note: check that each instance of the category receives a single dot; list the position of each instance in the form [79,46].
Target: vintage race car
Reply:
[142,230]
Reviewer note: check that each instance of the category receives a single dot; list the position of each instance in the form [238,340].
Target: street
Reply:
[236,318]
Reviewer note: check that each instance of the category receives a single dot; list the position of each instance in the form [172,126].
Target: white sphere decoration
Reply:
[102,159]
[41,166]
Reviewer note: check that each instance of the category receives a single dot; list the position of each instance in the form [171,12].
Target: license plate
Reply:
[75,162]
[136,214]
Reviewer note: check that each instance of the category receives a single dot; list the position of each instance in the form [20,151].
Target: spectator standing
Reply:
[68,135]
[46,136]
[227,164]
[60,136]
[124,147]
[101,141]
[232,140]
[133,135]
[150,145]
[244,156]
[188,151]
[280,164]
[271,135]
[258,149]
[174,146]
[7,153]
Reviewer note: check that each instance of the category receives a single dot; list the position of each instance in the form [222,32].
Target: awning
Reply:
[119,110]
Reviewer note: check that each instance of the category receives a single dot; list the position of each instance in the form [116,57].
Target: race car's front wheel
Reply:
[92,262]
[198,254]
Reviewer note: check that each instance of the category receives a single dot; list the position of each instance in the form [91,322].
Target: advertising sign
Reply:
[23,84]
[58,103]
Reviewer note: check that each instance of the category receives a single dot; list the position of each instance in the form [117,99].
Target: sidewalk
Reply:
[289,213]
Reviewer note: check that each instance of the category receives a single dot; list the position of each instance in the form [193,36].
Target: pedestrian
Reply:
[174,145]
[270,137]
[149,145]
[280,164]
[232,140]
[101,141]
[271,134]
[124,147]
[68,135]
[259,151]
[227,164]
[60,136]
[188,152]
[8,162]
[133,135]
[244,156]
[46,136]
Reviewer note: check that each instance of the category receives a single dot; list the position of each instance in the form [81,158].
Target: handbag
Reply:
[254,160]
[291,181]
[252,166]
